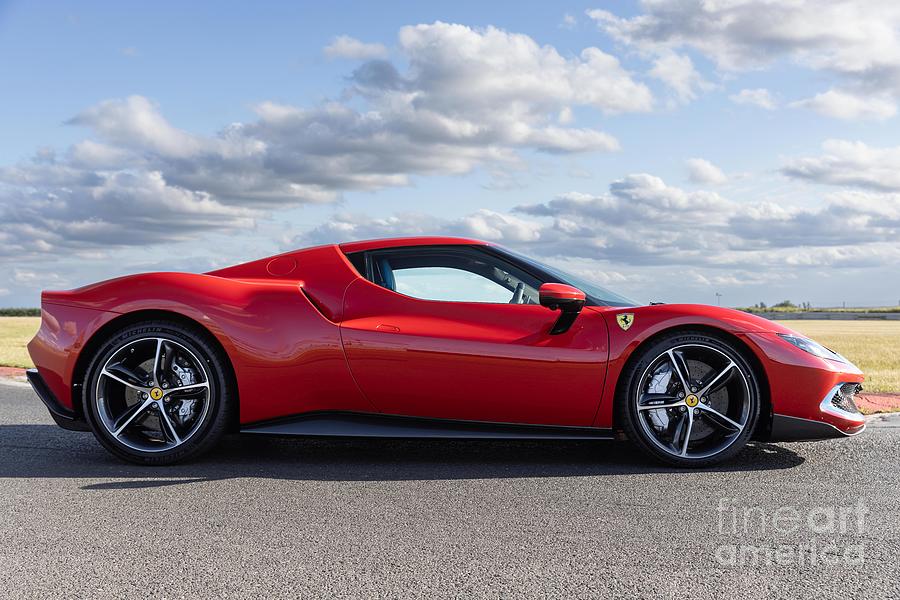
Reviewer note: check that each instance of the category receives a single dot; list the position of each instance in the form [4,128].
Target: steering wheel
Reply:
[517,295]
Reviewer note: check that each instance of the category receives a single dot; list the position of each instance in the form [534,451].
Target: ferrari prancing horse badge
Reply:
[625,320]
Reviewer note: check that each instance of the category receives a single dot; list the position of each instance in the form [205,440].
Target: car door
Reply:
[432,332]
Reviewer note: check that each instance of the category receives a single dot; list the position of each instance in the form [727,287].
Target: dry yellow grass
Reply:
[874,346]
[15,332]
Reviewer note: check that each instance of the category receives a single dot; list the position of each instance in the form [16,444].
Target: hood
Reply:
[732,320]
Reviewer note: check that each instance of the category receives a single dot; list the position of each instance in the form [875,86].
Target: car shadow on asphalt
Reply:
[38,451]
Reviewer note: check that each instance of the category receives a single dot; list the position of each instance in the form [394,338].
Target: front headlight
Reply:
[814,348]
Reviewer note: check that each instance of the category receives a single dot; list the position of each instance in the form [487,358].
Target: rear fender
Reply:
[286,355]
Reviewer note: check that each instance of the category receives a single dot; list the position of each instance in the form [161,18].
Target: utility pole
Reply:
[718,299]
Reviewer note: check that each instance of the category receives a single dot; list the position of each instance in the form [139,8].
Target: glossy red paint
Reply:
[483,362]
[560,291]
[283,341]
[304,332]
[797,381]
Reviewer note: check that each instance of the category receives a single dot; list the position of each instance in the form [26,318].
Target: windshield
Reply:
[597,294]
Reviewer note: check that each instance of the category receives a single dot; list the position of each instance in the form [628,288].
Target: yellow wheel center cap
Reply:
[156,393]
[692,401]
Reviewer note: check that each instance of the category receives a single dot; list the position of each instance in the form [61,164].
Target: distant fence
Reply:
[831,315]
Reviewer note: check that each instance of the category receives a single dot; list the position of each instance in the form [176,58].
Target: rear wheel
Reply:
[691,400]
[156,393]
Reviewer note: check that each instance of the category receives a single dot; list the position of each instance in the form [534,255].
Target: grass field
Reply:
[837,309]
[15,332]
[874,346]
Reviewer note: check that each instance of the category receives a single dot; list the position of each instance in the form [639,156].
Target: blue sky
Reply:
[670,150]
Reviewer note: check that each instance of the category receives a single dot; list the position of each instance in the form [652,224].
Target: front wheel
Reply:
[690,400]
[156,393]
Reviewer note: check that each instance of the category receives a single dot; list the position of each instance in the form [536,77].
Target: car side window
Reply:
[449,284]
[452,275]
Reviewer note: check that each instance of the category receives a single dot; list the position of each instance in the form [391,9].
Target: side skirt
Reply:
[338,424]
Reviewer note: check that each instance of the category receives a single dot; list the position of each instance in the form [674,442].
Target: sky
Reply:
[669,150]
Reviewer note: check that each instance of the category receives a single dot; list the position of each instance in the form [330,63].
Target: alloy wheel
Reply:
[153,394]
[693,401]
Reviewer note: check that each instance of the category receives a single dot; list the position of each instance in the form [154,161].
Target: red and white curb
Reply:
[13,376]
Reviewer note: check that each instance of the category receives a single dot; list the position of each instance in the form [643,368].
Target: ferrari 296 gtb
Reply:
[423,337]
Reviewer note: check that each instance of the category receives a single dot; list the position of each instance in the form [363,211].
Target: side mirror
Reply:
[565,298]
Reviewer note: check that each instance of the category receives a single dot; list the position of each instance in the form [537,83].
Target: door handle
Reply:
[387,328]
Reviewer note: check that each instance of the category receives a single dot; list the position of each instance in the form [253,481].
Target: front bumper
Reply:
[839,405]
[64,417]
[807,393]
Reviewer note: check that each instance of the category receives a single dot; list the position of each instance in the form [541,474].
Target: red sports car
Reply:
[423,337]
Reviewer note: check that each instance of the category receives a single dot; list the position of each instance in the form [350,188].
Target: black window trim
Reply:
[493,252]
[495,257]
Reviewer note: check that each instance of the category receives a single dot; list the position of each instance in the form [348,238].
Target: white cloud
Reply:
[759,97]
[60,208]
[739,278]
[846,219]
[845,105]
[89,154]
[135,122]
[848,163]
[855,41]
[677,71]
[568,21]
[24,276]
[633,199]
[344,46]
[458,69]
[465,98]
[563,140]
[483,224]
[643,222]
[704,172]
[854,37]
[489,225]
[34,279]
[782,262]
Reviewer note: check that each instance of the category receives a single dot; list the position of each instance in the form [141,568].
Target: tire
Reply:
[717,412]
[157,393]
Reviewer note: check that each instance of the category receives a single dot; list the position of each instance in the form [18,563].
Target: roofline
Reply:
[364,245]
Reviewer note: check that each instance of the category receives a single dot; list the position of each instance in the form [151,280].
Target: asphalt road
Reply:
[312,518]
